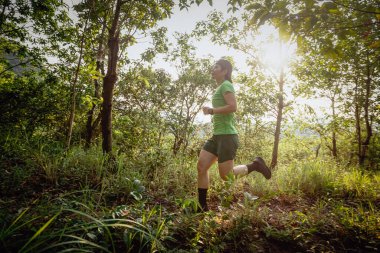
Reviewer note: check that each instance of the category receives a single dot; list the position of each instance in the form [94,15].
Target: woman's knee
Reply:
[223,175]
[202,169]
[225,169]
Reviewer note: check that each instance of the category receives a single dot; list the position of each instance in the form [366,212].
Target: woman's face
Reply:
[217,72]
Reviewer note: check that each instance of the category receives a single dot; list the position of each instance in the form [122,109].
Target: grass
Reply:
[309,205]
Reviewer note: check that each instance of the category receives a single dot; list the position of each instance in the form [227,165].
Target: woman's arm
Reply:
[230,106]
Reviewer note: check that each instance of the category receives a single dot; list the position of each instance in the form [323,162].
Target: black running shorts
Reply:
[223,146]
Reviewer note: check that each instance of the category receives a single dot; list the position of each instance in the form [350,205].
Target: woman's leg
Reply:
[225,168]
[241,170]
[205,160]
[228,166]
[226,150]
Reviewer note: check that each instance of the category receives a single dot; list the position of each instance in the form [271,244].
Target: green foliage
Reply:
[311,178]
[31,101]
[374,153]
[188,206]
[359,218]
[318,178]
[88,232]
[78,164]
[224,191]
[302,201]
[356,183]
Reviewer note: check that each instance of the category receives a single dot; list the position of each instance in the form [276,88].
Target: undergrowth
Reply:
[76,201]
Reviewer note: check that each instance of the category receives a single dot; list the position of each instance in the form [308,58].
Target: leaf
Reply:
[254,6]
[265,18]
[92,236]
[331,53]
[258,15]
[284,32]
[375,44]
[329,6]
[250,197]
[144,81]
[40,231]
[309,4]
[300,42]
[19,217]
[281,6]
[333,11]
[137,196]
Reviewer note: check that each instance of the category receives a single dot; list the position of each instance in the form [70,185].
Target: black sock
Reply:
[202,197]
[251,167]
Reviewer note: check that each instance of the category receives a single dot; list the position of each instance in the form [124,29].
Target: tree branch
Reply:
[11,67]
[355,9]
[15,29]
[3,16]
[351,27]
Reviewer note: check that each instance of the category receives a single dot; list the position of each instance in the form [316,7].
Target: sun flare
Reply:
[274,53]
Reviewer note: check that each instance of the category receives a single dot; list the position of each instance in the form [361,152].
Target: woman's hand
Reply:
[206,110]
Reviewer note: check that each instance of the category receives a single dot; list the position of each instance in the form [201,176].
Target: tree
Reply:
[30,101]
[256,102]
[95,15]
[129,17]
[334,26]
[321,77]
[144,96]
[190,90]
[30,31]
[75,80]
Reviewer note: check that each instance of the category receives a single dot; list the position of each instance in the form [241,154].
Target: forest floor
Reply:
[301,209]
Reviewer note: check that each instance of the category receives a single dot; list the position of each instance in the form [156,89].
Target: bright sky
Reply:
[184,21]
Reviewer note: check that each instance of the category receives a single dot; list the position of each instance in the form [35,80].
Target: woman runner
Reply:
[223,144]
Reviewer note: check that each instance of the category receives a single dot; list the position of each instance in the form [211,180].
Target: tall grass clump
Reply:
[308,177]
[261,186]
[83,163]
[24,157]
[179,177]
[359,184]
[48,163]
[123,229]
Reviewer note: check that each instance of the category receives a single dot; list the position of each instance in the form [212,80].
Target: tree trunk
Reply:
[317,150]
[334,149]
[73,89]
[280,108]
[367,140]
[90,126]
[357,121]
[178,141]
[110,80]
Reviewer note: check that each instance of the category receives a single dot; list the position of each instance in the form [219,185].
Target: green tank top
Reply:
[223,123]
